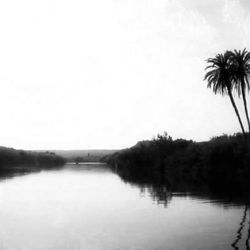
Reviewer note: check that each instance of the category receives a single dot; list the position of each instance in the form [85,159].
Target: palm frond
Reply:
[219,74]
[241,63]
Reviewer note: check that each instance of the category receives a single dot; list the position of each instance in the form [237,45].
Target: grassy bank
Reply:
[223,163]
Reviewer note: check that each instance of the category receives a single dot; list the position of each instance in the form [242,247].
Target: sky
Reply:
[107,73]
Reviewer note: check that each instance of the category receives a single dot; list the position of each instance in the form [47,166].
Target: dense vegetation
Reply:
[223,163]
[12,159]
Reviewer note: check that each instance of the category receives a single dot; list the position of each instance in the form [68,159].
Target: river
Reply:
[89,207]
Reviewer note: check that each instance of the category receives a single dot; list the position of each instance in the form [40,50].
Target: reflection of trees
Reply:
[163,193]
[239,232]
[157,191]
[248,236]
[160,194]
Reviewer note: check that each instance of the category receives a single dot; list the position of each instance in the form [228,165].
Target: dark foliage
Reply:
[223,163]
[11,158]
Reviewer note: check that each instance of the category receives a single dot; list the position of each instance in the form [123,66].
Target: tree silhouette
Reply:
[241,71]
[220,78]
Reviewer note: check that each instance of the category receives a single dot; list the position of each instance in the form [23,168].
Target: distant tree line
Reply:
[11,157]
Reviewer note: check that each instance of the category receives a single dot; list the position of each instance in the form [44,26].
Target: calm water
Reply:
[88,207]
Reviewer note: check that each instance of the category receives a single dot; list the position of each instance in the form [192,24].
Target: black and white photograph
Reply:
[124,125]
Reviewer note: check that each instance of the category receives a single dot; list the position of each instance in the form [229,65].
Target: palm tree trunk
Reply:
[236,110]
[245,106]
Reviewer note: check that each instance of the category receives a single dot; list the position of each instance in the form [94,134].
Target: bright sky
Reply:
[107,73]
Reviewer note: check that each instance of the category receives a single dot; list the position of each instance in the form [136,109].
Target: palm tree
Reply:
[241,71]
[220,78]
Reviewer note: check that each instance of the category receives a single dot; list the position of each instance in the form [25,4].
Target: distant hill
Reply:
[90,155]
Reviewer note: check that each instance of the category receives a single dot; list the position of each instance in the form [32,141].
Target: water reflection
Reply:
[239,232]
[159,194]
[248,235]
[162,193]
[89,207]
[14,171]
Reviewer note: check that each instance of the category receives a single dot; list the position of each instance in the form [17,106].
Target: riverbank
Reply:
[220,164]
[15,161]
